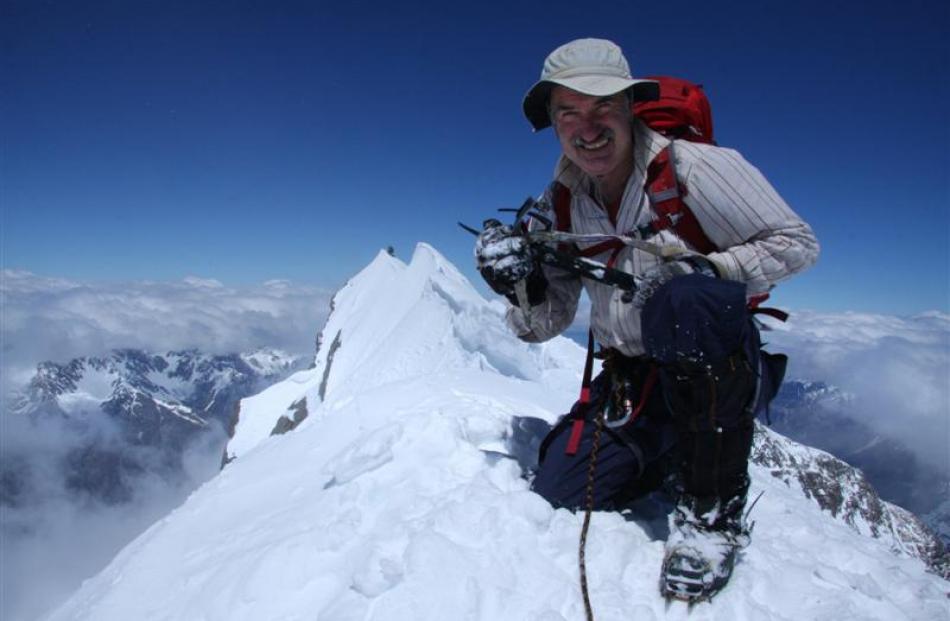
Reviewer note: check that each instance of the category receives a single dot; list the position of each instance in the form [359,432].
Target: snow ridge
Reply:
[392,501]
[395,321]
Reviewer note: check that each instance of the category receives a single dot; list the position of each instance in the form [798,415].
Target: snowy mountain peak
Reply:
[414,312]
[395,321]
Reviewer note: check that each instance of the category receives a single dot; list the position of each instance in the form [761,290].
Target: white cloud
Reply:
[898,368]
[55,319]
[54,537]
[210,283]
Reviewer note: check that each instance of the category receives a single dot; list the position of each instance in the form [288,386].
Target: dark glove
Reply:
[656,277]
[504,259]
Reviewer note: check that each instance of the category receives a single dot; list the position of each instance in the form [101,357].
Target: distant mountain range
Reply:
[132,410]
[846,493]
[821,416]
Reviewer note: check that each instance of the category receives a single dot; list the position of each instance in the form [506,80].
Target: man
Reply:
[684,325]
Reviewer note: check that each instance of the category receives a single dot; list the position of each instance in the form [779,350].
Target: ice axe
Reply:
[543,245]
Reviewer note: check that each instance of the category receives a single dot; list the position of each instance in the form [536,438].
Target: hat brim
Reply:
[535,104]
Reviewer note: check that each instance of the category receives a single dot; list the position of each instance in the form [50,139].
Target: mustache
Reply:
[604,133]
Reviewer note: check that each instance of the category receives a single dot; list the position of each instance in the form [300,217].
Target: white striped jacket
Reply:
[762,240]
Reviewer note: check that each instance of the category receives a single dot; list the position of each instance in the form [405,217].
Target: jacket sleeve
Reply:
[763,240]
[551,317]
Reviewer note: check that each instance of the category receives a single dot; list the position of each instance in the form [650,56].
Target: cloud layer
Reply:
[54,319]
[53,537]
[898,368]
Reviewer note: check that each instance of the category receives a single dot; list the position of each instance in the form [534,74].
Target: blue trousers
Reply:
[630,462]
[696,420]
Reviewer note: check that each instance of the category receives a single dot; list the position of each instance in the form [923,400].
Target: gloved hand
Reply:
[504,259]
[656,277]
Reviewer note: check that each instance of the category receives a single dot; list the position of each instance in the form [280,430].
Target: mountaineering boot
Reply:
[705,538]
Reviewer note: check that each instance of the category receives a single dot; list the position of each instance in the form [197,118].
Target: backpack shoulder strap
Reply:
[666,196]
[561,196]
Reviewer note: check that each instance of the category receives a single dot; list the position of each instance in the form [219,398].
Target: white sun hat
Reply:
[591,66]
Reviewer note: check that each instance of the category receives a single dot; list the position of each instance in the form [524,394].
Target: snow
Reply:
[181,411]
[259,414]
[269,361]
[175,387]
[386,504]
[432,320]
[93,387]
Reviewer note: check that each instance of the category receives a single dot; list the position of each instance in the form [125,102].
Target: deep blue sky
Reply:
[245,141]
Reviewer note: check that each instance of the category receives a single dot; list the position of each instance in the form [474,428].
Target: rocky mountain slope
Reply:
[843,492]
[132,410]
[822,416]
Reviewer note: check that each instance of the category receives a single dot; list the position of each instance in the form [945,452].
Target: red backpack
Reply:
[682,111]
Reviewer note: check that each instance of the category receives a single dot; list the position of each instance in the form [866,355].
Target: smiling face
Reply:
[595,133]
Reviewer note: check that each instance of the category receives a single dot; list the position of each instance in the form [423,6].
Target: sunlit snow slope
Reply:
[386,502]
